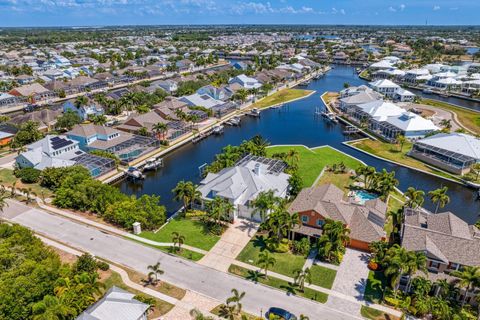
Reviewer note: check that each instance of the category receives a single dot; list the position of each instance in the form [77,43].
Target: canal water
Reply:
[293,124]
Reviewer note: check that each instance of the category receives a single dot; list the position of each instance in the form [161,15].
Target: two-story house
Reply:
[246,82]
[84,111]
[316,204]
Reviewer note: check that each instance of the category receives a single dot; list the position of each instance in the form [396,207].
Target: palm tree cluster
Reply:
[155,271]
[379,182]
[231,154]
[232,308]
[140,101]
[186,192]
[219,211]
[332,243]
[415,198]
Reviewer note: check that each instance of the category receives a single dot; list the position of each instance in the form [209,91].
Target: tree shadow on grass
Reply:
[260,242]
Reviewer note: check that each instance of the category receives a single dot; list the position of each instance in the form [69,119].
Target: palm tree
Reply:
[266,261]
[52,308]
[469,278]
[236,298]
[264,203]
[80,101]
[293,156]
[160,129]
[177,239]
[368,175]
[29,192]
[416,260]
[261,145]
[219,209]
[241,95]
[446,124]
[301,276]
[401,141]
[415,198]
[333,240]
[439,197]
[3,199]
[155,271]
[13,189]
[182,192]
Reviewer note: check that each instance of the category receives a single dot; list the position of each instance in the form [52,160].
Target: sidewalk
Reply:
[344,299]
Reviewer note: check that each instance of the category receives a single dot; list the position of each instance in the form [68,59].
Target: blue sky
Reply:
[137,12]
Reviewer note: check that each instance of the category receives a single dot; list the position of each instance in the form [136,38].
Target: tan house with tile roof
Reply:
[316,204]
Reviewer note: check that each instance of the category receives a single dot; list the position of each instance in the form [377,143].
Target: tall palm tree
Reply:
[401,141]
[266,261]
[333,240]
[261,145]
[440,197]
[396,259]
[415,261]
[236,298]
[469,278]
[264,203]
[177,239]
[160,129]
[367,175]
[80,101]
[182,192]
[301,276]
[155,271]
[415,198]
[293,156]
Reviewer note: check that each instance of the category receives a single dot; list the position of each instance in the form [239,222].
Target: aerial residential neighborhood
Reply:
[239,160]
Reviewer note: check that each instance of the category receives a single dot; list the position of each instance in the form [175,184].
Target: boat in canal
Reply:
[254,113]
[153,164]
[235,121]
[134,174]
[218,129]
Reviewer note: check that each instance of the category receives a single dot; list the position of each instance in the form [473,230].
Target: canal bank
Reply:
[294,123]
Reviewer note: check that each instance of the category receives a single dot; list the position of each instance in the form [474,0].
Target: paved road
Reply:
[185,274]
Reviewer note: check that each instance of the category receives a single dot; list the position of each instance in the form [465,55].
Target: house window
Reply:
[305,219]
[434,264]
[453,266]
[320,222]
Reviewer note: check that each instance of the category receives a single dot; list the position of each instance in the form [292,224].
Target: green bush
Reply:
[102,265]
[28,175]
[281,247]
[301,247]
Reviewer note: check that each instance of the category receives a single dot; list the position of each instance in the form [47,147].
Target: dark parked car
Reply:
[283,314]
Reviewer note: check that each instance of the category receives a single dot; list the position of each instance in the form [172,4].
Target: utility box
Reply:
[137,228]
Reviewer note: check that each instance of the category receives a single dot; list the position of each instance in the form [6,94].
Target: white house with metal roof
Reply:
[116,304]
[243,182]
[386,87]
[246,82]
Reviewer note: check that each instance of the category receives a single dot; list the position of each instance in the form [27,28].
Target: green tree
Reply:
[27,133]
[415,198]
[334,238]
[160,130]
[264,203]
[301,276]
[177,239]
[266,261]
[439,197]
[236,299]
[469,279]
[4,195]
[401,141]
[68,120]
[52,308]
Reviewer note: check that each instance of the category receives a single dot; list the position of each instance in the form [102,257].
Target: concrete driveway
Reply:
[352,274]
[232,242]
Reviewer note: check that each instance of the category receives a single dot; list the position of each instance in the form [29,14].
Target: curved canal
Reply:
[293,124]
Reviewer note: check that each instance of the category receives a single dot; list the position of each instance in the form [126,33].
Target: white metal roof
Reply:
[460,143]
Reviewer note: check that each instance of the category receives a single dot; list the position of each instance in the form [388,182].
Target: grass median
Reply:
[281,96]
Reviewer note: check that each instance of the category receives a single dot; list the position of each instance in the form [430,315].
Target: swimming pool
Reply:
[362,196]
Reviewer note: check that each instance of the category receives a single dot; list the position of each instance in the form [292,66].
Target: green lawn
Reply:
[278,283]
[161,307]
[469,118]
[194,231]
[376,282]
[312,161]
[322,276]
[286,263]
[281,97]
[185,253]
[7,178]
[374,314]
[392,152]
[341,180]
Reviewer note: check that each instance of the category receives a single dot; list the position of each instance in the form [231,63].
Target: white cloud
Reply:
[436,8]
[392,9]
[402,7]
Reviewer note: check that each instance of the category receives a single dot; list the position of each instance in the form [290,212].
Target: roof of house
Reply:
[116,304]
[44,117]
[460,143]
[361,97]
[30,89]
[364,221]
[409,121]
[443,236]
[380,110]
[90,129]
[242,182]
[384,83]
[203,100]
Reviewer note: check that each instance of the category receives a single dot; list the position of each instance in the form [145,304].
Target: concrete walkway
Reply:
[232,242]
[310,259]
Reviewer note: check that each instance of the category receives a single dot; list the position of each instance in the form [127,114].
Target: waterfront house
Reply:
[340,57]
[202,100]
[185,65]
[353,96]
[243,182]
[385,87]
[29,90]
[116,304]
[84,111]
[246,82]
[448,242]
[125,146]
[316,204]
[403,95]
[168,86]
[215,93]
[417,76]
[46,118]
[453,152]
[60,151]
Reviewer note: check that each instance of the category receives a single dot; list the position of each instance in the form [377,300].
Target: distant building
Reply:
[116,304]
[385,87]
[246,82]
[453,152]
[84,112]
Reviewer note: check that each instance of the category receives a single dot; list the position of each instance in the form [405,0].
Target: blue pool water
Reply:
[363,196]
